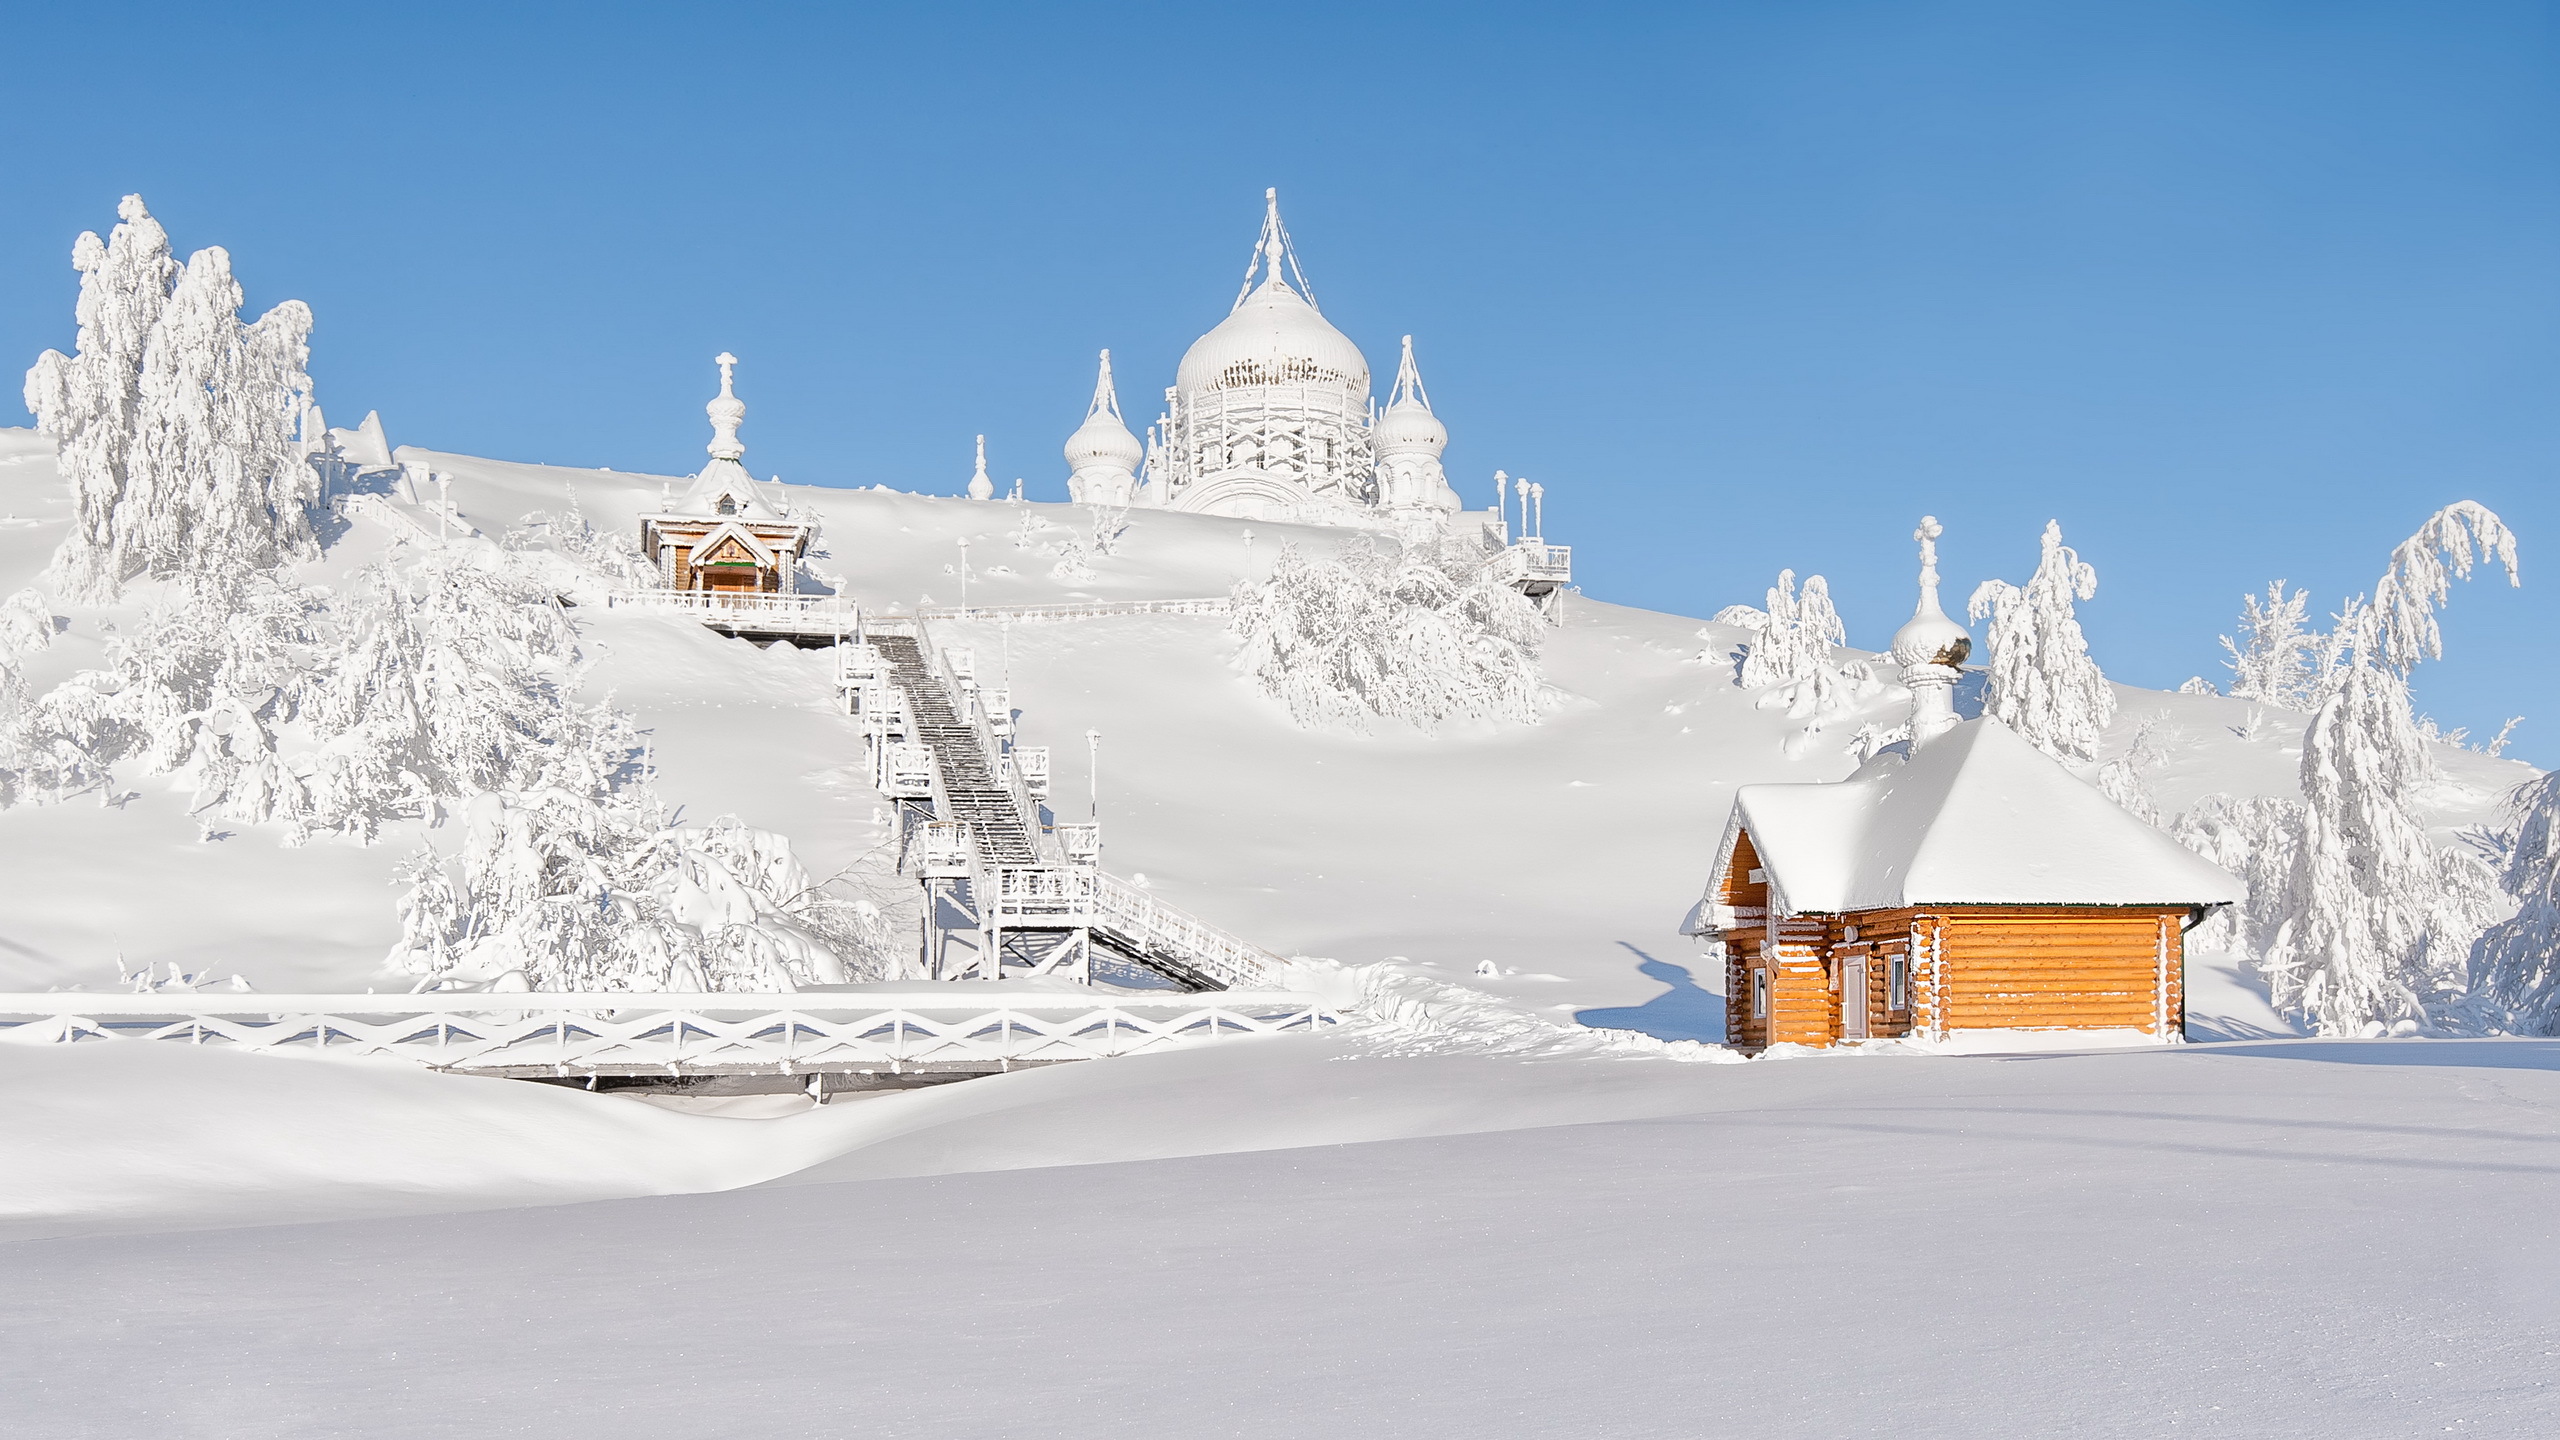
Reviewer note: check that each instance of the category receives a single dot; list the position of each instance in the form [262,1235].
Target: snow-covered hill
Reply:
[1561,855]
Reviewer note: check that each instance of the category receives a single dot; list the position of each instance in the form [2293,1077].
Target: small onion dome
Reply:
[1930,638]
[1103,442]
[1408,428]
[980,487]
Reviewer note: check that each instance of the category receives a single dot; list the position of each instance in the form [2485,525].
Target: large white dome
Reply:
[1273,338]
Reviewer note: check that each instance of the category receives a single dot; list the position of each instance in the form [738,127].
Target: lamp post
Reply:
[1093,775]
[964,577]
[1248,552]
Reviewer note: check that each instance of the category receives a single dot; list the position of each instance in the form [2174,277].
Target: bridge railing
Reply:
[646,1034]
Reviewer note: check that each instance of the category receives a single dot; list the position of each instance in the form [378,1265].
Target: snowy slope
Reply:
[1565,853]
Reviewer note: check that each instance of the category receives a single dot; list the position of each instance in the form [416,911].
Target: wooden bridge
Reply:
[855,1038]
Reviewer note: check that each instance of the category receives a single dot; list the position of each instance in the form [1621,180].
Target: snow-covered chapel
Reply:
[1270,417]
[726,535]
[1962,880]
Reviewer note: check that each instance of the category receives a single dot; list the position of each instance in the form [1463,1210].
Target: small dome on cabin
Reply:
[1930,638]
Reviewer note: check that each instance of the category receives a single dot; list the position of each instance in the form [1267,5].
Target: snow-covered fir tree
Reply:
[2358,919]
[2121,779]
[177,423]
[1789,656]
[2042,682]
[1422,634]
[2516,964]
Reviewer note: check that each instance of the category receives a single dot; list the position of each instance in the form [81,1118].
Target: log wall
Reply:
[2079,969]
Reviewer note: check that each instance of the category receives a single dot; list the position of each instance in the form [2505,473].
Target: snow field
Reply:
[2313,1240]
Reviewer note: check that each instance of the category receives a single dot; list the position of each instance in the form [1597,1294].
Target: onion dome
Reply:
[1274,335]
[1103,442]
[980,487]
[1929,637]
[727,412]
[1407,426]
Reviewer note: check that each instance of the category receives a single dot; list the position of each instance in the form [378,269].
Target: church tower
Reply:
[1409,439]
[1269,413]
[1102,456]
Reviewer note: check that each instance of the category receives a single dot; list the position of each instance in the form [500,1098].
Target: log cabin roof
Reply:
[1976,817]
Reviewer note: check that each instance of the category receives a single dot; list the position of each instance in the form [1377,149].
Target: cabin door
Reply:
[1853,997]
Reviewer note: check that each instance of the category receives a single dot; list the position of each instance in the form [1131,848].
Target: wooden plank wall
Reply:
[2062,968]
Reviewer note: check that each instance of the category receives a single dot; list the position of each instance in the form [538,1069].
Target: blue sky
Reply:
[2234,291]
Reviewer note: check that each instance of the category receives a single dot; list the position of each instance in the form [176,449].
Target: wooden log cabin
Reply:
[1961,880]
[726,536]
[1973,884]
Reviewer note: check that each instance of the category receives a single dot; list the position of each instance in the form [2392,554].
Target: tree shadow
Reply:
[1684,1012]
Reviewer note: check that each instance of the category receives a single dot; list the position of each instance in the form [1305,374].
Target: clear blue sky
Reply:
[2235,291]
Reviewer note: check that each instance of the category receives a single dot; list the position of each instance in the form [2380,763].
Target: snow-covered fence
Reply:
[1089,610]
[759,614]
[901,1032]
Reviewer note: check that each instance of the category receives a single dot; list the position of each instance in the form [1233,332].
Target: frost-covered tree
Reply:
[2382,918]
[1422,634]
[177,424]
[555,891]
[2121,779]
[2043,683]
[1789,656]
[2271,660]
[2256,839]
[1791,640]
[2280,658]
[90,401]
[2517,961]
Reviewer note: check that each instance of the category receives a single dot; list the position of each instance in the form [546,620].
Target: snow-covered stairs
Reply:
[1079,900]
[977,797]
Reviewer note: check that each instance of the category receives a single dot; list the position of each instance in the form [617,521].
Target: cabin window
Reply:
[1897,984]
[1759,994]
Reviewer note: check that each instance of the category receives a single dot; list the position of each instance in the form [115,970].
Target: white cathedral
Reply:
[1270,418]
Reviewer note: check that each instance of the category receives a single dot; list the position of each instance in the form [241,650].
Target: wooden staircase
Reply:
[1031,903]
[973,793]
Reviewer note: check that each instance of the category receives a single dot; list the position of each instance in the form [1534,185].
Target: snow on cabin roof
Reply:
[1976,817]
[729,480]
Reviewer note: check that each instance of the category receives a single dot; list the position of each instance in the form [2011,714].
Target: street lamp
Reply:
[1093,775]
[964,577]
